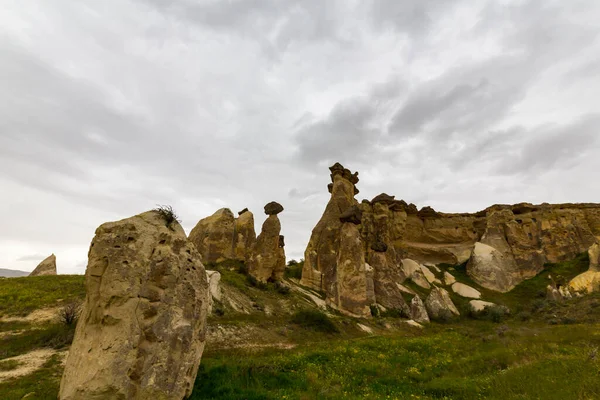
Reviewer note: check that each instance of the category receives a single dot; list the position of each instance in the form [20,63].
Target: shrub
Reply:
[252,281]
[69,313]
[168,214]
[314,320]
[374,310]
[294,269]
[281,288]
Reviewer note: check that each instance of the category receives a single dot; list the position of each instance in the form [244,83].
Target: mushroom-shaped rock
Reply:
[273,208]
[143,324]
[439,304]
[383,198]
[465,290]
[267,261]
[418,311]
[352,214]
[46,267]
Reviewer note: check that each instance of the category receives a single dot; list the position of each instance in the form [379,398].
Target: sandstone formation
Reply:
[267,259]
[214,288]
[418,311]
[465,291]
[223,237]
[502,244]
[142,328]
[46,267]
[588,281]
[439,304]
[448,278]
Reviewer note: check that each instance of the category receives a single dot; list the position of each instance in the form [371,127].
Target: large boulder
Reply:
[267,261]
[244,236]
[439,305]
[143,325]
[493,269]
[46,267]
[465,290]
[213,236]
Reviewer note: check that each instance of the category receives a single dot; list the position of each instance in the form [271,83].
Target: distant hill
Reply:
[12,273]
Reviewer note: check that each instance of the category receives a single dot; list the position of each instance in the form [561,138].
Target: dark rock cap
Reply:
[379,246]
[273,208]
[281,241]
[352,214]
[428,212]
[383,198]
[243,211]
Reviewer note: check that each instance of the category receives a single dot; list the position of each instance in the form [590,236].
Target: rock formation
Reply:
[142,328]
[223,237]
[267,259]
[439,304]
[588,281]
[418,311]
[46,267]
[214,279]
[465,291]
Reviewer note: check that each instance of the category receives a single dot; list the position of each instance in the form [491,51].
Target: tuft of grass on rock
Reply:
[168,214]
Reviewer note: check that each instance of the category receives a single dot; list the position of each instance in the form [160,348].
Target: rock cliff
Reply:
[267,259]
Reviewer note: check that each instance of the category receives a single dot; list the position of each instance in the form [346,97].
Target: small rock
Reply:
[418,311]
[465,291]
[448,278]
[414,324]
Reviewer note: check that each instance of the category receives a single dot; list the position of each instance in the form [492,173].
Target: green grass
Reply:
[52,335]
[43,383]
[20,296]
[468,361]
[314,320]
[8,365]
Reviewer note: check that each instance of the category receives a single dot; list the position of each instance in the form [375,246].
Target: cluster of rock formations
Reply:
[142,328]
[357,254]
[223,237]
[46,267]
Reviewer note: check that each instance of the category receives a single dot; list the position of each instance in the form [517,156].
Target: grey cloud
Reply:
[32,257]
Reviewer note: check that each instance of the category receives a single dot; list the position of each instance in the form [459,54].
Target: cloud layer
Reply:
[109,109]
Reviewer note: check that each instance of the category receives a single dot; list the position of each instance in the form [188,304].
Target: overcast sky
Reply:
[110,107]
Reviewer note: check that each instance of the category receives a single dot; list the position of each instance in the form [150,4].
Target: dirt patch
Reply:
[40,316]
[29,363]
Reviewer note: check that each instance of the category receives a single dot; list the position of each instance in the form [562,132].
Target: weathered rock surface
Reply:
[214,287]
[439,305]
[223,237]
[449,279]
[465,291]
[46,267]
[493,269]
[418,311]
[273,208]
[142,328]
[594,254]
[267,261]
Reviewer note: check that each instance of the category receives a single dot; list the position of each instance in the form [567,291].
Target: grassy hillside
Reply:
[274,342]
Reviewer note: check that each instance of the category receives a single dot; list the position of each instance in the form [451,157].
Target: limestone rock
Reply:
[586,282]
[352,284]
[466,291]
[418,277]
[267,261]
[223,237]
[448,278]
[439,305]
[273,208]
[404,289]
[418,311]
[492,269]
[428,274]
[213,236]
[414,324]
[478,306]
[46,267]
[410,266]
[214,279]
[143,325]
[244,236]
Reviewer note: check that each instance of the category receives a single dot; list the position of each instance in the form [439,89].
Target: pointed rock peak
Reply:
[273,208]
[428,212]
[46,267]
[338,169]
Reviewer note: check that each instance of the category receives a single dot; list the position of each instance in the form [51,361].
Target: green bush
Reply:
[294,269]
[314,320]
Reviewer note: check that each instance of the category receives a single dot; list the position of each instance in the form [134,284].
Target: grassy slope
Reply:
[20,296]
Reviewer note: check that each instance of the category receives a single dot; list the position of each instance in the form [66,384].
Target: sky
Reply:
[108,108]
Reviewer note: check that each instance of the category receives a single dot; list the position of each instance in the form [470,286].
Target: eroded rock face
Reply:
[588,281]
[439,305]
[46,267]
[214,287]
[142,328]
[223,237]
[267,261]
